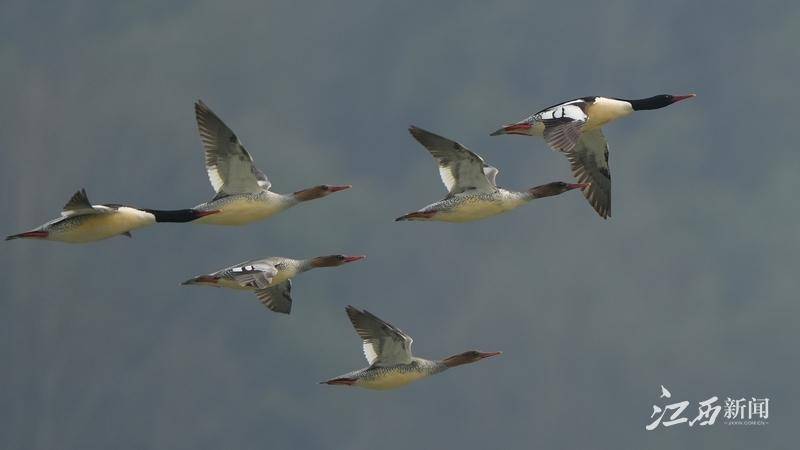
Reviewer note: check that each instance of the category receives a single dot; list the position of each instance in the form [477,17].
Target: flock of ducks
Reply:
[243,196]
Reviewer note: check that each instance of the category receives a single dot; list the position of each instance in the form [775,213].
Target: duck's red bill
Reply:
[579,185]
[34,234]
[683,97]
[339,188]
[348,259]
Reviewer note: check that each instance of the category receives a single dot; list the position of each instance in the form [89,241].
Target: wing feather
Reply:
[461,170]
[589,162]
[277,298]
[257,276]
[78,204]
[230,167]
[563,124]
[384,344]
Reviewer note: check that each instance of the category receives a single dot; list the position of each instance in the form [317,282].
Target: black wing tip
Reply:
[418,132]
[424,137]
[201,109]
[277,309]
[79,193]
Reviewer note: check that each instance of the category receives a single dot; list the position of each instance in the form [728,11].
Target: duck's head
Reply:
[335,260]
[467,358]
[319,192]
[555,188]
[657,101]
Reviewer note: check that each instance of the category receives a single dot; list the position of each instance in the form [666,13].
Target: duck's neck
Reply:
[454,361]
[515,197]
[176,215]
[304,265]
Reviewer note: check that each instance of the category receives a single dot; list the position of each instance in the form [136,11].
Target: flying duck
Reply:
[574,128]
[270,278]
[388,352]
[242,191]
[470,182]
[81,221]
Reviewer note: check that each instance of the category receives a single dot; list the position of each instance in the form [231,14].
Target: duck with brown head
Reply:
[243,192]
[388,352]
[269,278]
[473,193]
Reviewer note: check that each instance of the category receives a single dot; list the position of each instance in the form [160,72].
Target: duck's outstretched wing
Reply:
[589,161]
[461,170]
[230,167]
[384,344]
[278,298]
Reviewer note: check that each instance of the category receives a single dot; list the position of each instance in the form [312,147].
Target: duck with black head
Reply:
[574,128]
[82,222]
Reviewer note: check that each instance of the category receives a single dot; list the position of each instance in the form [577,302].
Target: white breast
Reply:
[605,110]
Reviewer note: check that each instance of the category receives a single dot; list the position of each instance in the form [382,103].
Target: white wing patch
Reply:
[257,276]
[370,353]
[448,179]
[566,111]
[491,174]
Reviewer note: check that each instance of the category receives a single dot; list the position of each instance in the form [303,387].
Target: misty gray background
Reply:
[691,284]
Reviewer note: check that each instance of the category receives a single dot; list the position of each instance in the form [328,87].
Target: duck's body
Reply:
[394,376]
[241,209]
[467,207]
[472,191]
[575,128]
[82,222]
[269,278]
[388,351]
[242,191]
